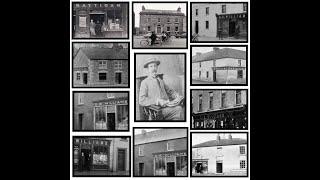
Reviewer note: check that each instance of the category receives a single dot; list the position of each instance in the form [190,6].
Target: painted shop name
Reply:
[102,5]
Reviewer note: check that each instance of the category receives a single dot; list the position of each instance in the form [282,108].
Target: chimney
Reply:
[143,8]
[229,137]
[143,132]
[179,9]
[218,137]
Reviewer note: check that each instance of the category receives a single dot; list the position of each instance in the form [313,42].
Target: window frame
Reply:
[140,150]
[223,8]
[170,144]
[243,164]
[238,93]
[223,99]
[197,12]
[211,100]
[200,103]
[242,150]
[207,11]
[80,99]
[102,72]
[78,73]
[103,64]
[207,24]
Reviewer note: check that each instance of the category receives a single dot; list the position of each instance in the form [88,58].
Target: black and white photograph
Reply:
[219,154]
[101,111]
[219,22]
[219,65]
[219,109]
[160,25]
[160,87]
[101,156]
[160,152]
[100,65]
[100,20]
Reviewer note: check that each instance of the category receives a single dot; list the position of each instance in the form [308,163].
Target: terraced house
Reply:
[101,67]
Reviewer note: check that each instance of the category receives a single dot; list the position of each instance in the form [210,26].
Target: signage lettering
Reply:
[101,5]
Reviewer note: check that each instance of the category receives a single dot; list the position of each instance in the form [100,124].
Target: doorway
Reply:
[118,78]
[219,167]
[141,169]
[232,27]
[214,76]
[121,160]
[197,27]
[85,78]
[98,19]
[158,29]
[111,119]
[170,169]
[80,120]
[85,159]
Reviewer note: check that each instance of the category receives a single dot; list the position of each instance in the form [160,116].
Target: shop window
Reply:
[170,146]
[223,99]
[103,64]
[80,98]
[160,166]
[238,96]
[210,100]
[242,164]
[176,28]
[224,10]
[207,10]
[242,150]
[140,151]
[207,24]
[200,103]
[100,155]
[102,76]
[78,76]
[168,28]
[181,165]
[197,12]
[245,7]
[239,74]
[118,64]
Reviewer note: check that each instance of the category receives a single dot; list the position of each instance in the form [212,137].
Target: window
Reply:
[168,28]
[149,28]
[199,74]
[103,64]
[240,74]
[214,63]
[168,19]
[207,24]
[200,64]
[223,9]
[158,19]
[207,74]
[238,96]
[102,76]
[196,12]
[140,153]
[245,7]
[80,98]
[242,150]
[100,117]
[160,166]
[181,165]
[242,164]
[223,99]
[176,28]
[78,76]
[200,102]
[176,20]
[118,64]
[239,62]
[170,146]
[210,100]
[207,10]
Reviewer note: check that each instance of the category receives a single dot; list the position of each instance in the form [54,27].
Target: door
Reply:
[141,169]
[85,78]
[118,77]
[197,27]
[158,30]
[80,120]
[214,76]
[85,159]
[232,28]
[170,169]
[219,167]
[121,159]
[111,119]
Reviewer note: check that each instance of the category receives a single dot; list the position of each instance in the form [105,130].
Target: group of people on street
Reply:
[84,164]
[96,29]
[164,36]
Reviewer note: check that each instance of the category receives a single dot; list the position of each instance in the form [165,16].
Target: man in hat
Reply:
[153,91]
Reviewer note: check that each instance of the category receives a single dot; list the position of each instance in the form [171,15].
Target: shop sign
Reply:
[82,21]
[170,155]
[96,5]
[115,102]
[228,68]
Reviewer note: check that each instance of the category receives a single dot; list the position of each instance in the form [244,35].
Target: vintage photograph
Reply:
[219,22]
[101,111]
[100,20]
[160,87]
[100,64]
[219,65]
[159,25]
[160,152]
[101,156]
[216,109]
[219,154]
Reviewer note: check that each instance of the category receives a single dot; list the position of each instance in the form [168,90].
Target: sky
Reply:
[198,138]
[137,7]
[207,49]
[138,131]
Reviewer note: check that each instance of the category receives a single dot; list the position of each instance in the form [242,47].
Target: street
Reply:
[239,81]
[210,38]
[101,173]
[175,43]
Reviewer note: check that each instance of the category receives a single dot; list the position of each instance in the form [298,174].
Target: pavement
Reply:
[101,173]
[210,38]
[241,81]
[174,43]
[223,174]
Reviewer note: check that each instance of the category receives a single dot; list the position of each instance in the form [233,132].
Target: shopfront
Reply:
[107,20]
[199,166]
[233,25]
[111,114]
[174,163]
[91,154]
[235,118]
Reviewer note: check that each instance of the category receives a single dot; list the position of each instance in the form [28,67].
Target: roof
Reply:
[221,142]
[219,54]
[162,12]
[105,53]
[160,135]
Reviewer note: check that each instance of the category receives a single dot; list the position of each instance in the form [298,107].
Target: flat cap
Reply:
[151,60]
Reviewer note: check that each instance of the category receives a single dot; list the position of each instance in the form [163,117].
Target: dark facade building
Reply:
[162,152]
[219,109]
[107,111]
[108,20]
[101,156]
[170,21]
[101,67]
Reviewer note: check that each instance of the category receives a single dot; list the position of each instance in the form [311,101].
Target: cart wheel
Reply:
[144,42]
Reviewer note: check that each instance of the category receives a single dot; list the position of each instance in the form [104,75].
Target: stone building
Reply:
[219,109]
[101,67]
[170,21]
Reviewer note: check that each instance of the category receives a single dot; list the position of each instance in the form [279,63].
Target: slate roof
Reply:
[161,12]
[159,135]
[105,53]
[219,54]
[221,142]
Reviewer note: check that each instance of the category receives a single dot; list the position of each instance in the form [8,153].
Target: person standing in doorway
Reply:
[92,28]
[98,28]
